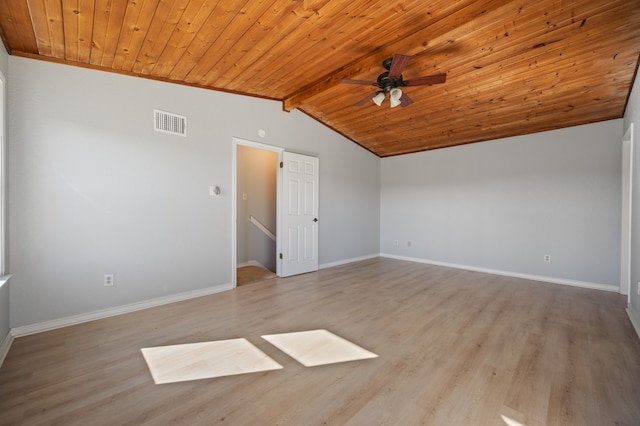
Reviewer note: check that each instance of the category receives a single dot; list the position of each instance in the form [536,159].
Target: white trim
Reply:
[118,310]
[635,319]
[3,175]
[322,266]
[252,263]
[345,261]
[5,346]
[552,280]
[627,214]
[257,145]
[263,228]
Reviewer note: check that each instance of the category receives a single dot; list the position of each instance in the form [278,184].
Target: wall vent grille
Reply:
[167,122]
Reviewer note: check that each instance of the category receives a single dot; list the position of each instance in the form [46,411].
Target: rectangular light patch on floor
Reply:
[195,361]
[318,347]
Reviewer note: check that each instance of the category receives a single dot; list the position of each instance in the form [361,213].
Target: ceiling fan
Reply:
[391,81]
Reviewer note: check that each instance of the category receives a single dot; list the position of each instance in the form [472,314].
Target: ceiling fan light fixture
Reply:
[378,98]
[391,81]
[394,97]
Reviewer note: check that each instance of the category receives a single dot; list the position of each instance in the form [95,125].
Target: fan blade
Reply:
[363,82]
[398,64]
[365,100]
[428,80]
[405,100]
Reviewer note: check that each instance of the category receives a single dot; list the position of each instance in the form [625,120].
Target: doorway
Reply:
[293,247]
[256,211]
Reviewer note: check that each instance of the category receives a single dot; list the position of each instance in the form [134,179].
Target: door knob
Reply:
[315,219]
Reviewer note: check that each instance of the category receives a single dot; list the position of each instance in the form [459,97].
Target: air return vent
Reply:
[167,122]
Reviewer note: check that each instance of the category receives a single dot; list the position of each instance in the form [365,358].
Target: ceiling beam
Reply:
[328,81]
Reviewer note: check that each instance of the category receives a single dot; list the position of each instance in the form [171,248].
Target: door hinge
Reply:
[281,165]
[280,255]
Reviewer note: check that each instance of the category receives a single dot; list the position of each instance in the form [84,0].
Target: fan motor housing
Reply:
[387,83]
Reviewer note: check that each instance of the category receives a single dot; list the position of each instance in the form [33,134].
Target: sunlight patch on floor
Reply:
[510,421]
[318,347]
[195,361]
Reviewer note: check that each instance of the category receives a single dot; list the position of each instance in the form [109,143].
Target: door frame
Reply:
[234,200]
[627,213]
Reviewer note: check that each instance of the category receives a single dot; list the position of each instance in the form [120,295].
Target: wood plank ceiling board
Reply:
[513,66]
[47,27]
[17,31]
[193,19]
[138,26]
[485,98]
[420,39]
[212,28]
[108,23]
[262,35]
[160,31]
[78,30]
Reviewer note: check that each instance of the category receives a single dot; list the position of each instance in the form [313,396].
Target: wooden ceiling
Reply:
[513,67]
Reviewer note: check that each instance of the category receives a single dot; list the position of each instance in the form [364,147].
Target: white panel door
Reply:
[299,244]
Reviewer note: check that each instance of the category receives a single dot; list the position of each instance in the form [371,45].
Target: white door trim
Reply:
[627,213]
[234,200]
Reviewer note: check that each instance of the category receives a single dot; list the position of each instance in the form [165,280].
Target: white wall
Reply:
[349,225]
[94,190]
[502,205]
[632,115]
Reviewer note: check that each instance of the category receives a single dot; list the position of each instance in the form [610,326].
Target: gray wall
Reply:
[350,222]
[257,174]
[504,204]
[632,115]
[4,290]
[94,190]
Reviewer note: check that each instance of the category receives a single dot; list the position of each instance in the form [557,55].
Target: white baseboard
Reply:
[5,346]
[634,316]
[574,283]
[118,310]
[105,313]
[344,262]
[251,263]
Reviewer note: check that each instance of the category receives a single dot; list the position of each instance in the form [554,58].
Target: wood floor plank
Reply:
[454,347]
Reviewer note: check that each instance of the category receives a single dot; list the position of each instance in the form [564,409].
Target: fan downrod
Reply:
[386,83]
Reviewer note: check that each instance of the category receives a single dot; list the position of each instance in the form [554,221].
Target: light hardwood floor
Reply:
[252,274]
[454,348]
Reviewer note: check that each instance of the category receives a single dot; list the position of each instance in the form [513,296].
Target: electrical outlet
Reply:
[547,258]
[108,280]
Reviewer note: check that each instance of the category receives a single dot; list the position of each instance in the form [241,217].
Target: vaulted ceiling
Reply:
[512,67]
